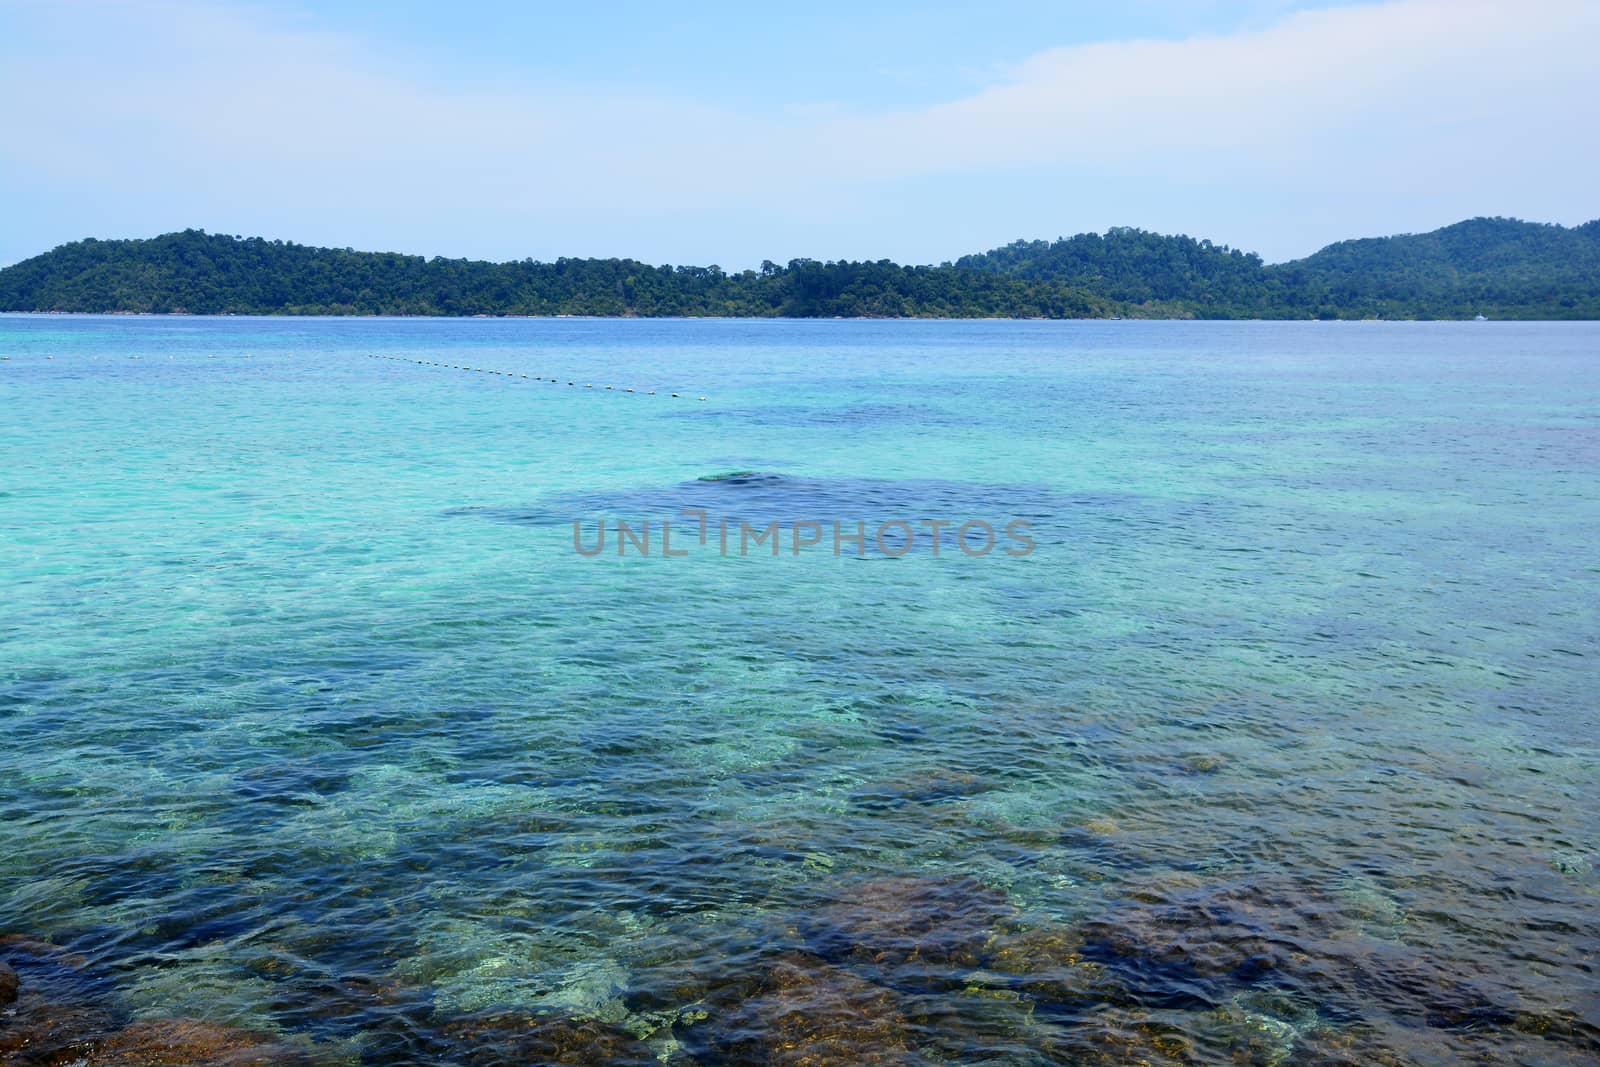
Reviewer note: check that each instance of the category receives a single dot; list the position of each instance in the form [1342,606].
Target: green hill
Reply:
[206,274]
[1501,268]
[1140,267]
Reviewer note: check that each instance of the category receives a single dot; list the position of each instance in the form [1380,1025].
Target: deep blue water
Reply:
[1275,742]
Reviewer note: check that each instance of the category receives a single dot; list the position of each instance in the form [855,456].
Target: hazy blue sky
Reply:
[728,133]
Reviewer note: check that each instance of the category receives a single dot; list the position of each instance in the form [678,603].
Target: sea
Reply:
[804,692]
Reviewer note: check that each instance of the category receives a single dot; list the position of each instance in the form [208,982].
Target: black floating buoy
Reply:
[674,394]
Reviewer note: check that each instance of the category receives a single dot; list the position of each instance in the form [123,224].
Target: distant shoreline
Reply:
[1487,267]
[754,318]
[760,318]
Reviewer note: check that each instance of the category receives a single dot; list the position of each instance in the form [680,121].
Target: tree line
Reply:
[1500,268]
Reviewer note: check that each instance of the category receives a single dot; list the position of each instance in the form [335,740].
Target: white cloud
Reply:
[1422,67]
[133,117]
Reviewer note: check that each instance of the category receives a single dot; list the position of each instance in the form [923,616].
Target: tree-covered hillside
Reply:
[206,274]
[1140,267]
[1501,268]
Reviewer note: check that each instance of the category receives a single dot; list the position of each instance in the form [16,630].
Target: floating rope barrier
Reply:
[505,373]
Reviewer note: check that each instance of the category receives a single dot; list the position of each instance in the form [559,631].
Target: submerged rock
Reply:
[518,1038]
[1187,951]
[1122,1038]
[1047,964]
[1197,948]
[1347,1048]
[1261,1026]
[24,950]
[927,788]
[673,990]
[62,1012]
[55,1012]
[740,477]
[1203,763]
[1561,1024]
[1416,986]
[38,1032]
[812,1014]
[192,1043]
[906,930]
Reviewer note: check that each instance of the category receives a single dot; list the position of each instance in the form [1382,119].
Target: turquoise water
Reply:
[1279,746]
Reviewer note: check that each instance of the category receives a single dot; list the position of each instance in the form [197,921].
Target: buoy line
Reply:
[505,373]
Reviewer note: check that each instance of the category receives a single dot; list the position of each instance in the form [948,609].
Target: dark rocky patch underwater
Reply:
[893,970]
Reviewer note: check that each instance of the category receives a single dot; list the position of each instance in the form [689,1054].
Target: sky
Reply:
[729,133]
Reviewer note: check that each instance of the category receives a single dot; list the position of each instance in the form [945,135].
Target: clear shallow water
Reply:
[1279,747]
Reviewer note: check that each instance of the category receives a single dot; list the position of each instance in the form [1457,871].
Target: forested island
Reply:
[1494,267]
